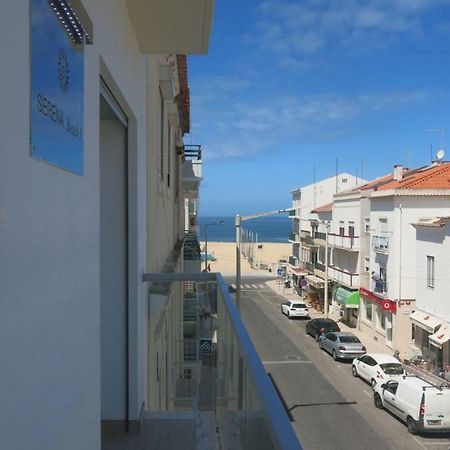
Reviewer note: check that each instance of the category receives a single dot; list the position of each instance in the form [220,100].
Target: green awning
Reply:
[349,299]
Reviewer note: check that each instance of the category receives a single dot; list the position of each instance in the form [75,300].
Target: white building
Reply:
[409,197]
[431,317]
[86,209]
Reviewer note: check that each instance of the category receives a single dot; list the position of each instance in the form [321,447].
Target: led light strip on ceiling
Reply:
[70,21]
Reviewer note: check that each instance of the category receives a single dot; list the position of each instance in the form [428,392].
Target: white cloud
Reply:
[298,29]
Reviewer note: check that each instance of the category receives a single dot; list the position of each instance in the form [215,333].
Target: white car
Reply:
[377,368]
[293,308]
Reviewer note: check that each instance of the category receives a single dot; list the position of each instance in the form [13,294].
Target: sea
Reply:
[269,229]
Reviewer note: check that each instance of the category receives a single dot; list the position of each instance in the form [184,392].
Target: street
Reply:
[331,409]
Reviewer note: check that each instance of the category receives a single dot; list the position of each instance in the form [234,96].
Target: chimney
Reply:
[398,172]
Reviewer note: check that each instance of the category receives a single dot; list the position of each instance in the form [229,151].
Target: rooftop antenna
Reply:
[441,132]
[440,155]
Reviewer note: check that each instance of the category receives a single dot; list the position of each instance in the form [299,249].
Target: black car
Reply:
[316,327]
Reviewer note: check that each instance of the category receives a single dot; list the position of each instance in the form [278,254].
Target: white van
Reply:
[423,406]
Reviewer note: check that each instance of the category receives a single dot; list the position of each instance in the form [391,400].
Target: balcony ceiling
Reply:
[172,26]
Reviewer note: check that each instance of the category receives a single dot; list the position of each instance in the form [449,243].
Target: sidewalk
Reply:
[371,345]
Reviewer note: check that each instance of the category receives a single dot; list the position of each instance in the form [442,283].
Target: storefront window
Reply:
[368,310]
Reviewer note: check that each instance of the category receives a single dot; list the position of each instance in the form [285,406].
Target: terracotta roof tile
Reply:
[324,208]
[433,177]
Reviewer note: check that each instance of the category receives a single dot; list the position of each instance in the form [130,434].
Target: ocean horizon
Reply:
[268,229]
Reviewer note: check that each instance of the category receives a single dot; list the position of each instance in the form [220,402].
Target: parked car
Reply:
[341,345]
[294,309]
[377,368]
[316,327]
[422,406]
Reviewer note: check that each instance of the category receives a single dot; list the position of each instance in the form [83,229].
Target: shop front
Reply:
[440,342]
[345,303]
[314,287]
[379,315]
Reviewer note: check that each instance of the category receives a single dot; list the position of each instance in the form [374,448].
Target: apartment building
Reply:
[311,208]
[409,196]
[431,318]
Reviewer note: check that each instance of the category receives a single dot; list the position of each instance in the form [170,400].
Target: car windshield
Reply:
[392,368]
[299,305]
[349,339]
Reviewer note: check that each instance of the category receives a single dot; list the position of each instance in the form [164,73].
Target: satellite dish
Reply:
[440,155]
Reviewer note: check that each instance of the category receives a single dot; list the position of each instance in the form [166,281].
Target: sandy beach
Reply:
[268,255]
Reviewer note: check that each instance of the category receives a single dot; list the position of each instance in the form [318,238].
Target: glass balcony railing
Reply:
[293,261]
[309,266]
[293,237]
[210,368]
[292,213]
[380,288]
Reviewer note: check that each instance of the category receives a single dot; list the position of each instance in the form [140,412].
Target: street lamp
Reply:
[206,240]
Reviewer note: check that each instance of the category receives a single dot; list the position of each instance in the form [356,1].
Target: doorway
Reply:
[113,263]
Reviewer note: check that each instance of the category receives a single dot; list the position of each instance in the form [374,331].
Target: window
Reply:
[367,225]
[351,229]
[344,180]
[368,310]
[383,226]
[161,136]
[341,228]
[367,264]
[430,271]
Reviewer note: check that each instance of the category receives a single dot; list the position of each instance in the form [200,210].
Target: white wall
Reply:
[49,241]
[433,242]
[402,246]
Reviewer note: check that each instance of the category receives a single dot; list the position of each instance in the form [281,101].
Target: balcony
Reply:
[307,240]
[380,244]
[218,392]
[343,277]
[191,247]
[309,266]
[319,269]
[292,213]
[192,167]
[293,238]
[344,242]
[293,261]
[380,288]
[321,237]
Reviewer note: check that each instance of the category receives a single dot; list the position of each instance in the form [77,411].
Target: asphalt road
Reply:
[331,409]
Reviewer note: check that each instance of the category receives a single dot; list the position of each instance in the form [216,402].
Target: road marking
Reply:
[287,362]
[367,393]
[420,443]
[438,443]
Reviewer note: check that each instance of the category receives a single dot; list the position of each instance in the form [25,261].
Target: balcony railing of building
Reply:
[343,276]
[380,288]
[345,242]
[191,248]
[228,382]
[380,244]
[293,261]
[319,236]
[308,240]
[293,237]
[193,152]
[292,213]
[309,266]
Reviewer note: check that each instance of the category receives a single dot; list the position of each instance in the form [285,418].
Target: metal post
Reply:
[238,261]
[206,247]
[325,297]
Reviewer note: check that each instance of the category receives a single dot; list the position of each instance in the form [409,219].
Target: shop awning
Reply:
[441,336]
[296,270]
[315,281]
[426,321]
[347,298]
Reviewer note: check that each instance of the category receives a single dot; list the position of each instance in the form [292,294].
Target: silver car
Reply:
[342,345]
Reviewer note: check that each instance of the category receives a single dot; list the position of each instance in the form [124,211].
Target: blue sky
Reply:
[289,86]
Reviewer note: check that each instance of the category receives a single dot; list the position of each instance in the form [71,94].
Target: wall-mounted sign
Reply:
[56,86]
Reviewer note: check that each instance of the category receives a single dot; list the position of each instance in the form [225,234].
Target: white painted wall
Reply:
[433,242]
[49,240]
[402,236]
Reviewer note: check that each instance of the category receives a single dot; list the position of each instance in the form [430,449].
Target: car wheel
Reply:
[354,371]
[377,401]
[289,315]
[412,425]
[321,345]
[373,383]
[335,355]
[317,337]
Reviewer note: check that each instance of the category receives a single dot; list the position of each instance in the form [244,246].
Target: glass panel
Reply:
[214,366]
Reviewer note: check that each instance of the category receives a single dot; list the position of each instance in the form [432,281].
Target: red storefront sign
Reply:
[385,303]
